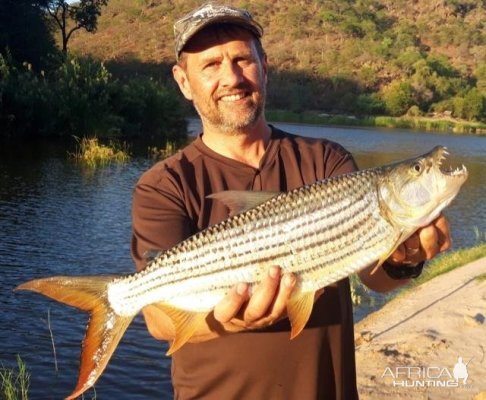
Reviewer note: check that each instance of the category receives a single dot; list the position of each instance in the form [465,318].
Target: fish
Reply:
[321,232]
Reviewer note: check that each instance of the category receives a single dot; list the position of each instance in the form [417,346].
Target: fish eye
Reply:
[417,167]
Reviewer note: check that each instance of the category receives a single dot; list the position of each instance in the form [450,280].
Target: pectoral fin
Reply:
[185,324]
[403,236]
[299,309]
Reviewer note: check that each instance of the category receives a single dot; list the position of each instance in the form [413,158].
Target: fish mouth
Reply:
[440,154]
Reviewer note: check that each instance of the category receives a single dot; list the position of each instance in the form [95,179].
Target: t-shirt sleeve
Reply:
[159,216]
[338,161]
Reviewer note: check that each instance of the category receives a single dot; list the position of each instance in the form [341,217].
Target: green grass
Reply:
[481,277]
[363,297]
[92,153]
[449,261]
[15,382]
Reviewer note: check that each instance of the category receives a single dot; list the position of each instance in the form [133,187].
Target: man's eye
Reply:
[211,65]
[244,61]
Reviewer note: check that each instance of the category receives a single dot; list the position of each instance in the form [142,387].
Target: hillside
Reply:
[327,55]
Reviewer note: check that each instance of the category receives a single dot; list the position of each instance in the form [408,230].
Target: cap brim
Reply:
[253,28]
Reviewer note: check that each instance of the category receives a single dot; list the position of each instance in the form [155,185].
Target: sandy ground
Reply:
[409,348]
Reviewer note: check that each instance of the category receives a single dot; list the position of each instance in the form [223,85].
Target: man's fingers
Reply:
[280,304]
[412,244]
[429,241]
[399,254]
[443,232]
[227,308]
[263,296]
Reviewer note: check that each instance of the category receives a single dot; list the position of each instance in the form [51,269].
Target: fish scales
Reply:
[343,227]
[321,232]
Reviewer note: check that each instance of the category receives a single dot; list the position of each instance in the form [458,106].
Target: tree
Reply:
[474,105]
[398,97]
[84,15]
[24,33]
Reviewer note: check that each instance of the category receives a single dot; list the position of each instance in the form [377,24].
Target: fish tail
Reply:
[105,327]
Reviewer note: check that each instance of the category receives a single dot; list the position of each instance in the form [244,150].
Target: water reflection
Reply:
[57,217]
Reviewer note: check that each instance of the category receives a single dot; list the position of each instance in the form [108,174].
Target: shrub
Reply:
[80,97]
[398,97]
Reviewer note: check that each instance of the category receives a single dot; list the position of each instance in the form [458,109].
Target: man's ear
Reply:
[181,79]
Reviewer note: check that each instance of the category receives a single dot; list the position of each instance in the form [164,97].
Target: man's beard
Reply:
[230,121]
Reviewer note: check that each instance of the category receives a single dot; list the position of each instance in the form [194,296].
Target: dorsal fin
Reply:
[239,201]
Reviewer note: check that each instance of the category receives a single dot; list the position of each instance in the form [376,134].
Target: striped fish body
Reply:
[322,233]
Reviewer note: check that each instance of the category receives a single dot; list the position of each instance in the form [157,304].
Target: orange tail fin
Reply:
[105,327]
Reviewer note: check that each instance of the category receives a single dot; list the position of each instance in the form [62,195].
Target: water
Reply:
[59,218]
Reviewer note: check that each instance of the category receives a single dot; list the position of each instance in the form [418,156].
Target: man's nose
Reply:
[232,75]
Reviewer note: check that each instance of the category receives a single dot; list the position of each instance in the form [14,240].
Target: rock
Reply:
[477,320]
[362,337]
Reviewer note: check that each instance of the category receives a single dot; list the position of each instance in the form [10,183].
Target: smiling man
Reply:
[222,68]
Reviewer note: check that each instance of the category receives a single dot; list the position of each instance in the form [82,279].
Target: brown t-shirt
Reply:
[170,203]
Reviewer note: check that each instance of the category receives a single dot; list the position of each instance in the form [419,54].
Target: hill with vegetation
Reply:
[331,56]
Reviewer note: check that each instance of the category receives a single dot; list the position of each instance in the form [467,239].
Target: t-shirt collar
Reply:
[267,158]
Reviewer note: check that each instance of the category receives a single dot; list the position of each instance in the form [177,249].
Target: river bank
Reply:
[409,348]
[430,124]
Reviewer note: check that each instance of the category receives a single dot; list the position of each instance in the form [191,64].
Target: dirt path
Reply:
[409,348]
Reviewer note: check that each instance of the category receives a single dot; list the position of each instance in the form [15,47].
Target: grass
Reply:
[363,297]
[481,277]
[449,261]
[405,122]
[92,153]
[15,382]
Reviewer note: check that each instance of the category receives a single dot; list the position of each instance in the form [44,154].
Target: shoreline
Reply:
[428,124]
[409,347]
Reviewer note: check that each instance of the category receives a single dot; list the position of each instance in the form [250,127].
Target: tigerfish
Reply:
[322,232]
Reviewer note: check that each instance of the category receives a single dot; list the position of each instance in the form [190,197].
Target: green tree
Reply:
[84,15]
[24,32]
[398,97]
[474,105]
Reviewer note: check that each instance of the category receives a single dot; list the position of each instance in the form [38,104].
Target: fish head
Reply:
[414,192]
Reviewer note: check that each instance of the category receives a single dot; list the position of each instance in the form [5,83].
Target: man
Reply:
[222,68]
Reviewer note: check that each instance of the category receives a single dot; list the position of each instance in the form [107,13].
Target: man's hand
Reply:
[261,308]
[424,244]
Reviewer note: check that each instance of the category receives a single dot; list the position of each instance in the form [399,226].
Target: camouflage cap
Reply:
[211,13]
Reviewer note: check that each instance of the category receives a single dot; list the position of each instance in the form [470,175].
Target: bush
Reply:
[370,104]
[414,111]
[474,105]
[80,97]
[398,97]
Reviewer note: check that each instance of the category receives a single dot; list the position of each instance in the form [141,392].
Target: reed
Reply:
[92,153]
[15,382]
[159,153]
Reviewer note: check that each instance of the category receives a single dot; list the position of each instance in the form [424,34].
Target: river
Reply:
[57,217]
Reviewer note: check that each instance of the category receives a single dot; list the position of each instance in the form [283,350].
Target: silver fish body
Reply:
[321,232]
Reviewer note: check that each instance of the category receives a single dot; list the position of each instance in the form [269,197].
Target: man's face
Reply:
[225,77]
